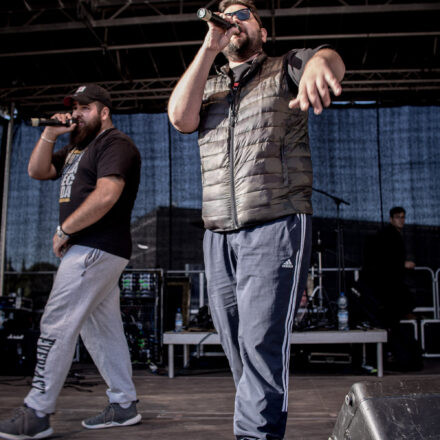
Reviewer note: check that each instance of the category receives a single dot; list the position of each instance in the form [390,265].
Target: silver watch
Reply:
[61,234]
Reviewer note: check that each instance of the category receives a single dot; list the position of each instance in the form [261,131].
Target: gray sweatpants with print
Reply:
[255,280]
[84,300]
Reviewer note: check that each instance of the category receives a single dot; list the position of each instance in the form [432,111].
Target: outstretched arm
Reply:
[323,71]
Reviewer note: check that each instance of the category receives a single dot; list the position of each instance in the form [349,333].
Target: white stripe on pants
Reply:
[84,299]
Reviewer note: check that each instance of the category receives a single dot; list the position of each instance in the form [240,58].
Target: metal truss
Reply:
[89,10]
[96,19]
[126,95]
[138,94]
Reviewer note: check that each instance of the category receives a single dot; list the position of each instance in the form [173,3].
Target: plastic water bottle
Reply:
[179,321]
[18,299]
[342,312]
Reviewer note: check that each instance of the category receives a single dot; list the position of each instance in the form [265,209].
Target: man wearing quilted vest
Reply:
[257,183]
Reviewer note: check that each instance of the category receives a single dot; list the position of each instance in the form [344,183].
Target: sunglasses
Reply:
[241,14]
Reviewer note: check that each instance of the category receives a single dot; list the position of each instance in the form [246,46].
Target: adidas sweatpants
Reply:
[255,280]
[84,299]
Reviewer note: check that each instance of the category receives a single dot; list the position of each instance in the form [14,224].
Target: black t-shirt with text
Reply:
[110,153]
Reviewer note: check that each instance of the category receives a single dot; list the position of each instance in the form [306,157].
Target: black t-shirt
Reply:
[110,153]
[295,62]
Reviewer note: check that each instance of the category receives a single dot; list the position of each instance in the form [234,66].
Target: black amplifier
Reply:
[18,350]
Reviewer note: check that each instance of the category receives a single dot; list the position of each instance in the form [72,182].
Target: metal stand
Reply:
[315,303]
[340,241]
[319,287]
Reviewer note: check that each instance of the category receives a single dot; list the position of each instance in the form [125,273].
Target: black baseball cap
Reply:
[87,94]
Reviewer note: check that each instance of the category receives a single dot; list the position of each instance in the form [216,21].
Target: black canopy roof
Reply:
[138,49]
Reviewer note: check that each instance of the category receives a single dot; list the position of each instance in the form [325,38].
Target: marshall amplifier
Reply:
[390,410]
[18,352]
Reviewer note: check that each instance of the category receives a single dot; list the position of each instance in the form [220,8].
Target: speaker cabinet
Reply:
[18,350]
[390,410]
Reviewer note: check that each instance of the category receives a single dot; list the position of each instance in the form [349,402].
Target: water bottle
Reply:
[18,299]
[342,312]
[179,321]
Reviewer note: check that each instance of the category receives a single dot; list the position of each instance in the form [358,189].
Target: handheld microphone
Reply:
[42,122]
[207,15]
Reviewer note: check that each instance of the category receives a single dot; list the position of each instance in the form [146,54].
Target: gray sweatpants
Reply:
[255,279]
[84,299]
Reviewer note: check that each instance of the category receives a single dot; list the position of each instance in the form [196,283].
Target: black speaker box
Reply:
[390,410]
[18,352]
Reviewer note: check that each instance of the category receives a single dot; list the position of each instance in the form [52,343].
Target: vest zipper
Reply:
[232,120]
[284,164]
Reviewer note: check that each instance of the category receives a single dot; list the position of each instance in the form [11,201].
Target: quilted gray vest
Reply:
[254,150]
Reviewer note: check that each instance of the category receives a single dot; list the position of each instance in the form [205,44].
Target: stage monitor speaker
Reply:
[390,410]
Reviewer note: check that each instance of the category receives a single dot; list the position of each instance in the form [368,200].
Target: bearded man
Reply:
[100,172]
[257,185]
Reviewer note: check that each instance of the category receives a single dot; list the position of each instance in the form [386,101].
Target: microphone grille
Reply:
[204,14]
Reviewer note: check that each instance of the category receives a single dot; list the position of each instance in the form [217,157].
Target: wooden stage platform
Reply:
[192,407]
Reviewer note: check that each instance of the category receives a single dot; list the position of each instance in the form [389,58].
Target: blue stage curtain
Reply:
[363,155]
[410,158]
[360,155]
[32,207]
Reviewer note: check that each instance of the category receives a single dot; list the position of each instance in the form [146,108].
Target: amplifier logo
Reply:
[13,337]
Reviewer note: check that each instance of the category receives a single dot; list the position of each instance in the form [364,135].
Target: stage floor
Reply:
[197,406]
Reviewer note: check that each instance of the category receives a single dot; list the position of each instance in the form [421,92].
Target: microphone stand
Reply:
[340,244]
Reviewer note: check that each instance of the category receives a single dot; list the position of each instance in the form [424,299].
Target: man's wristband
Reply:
[61,234]
[47,140]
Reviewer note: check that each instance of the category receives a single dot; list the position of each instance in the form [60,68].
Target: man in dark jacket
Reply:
[257,183]
[383,271]
[386,298]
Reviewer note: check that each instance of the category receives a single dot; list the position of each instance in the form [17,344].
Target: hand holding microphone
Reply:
[59,124]
[43,122]
[207,15]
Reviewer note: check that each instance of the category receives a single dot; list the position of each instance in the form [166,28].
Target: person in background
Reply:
[384,268]
[385,294]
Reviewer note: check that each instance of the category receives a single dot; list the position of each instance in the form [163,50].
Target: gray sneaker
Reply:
[25,424]
[114,415]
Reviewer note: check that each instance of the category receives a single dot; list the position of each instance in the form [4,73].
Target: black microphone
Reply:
[207,15]
[42,122]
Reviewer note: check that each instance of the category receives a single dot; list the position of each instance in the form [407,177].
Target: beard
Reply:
[82,136]
[242,50]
